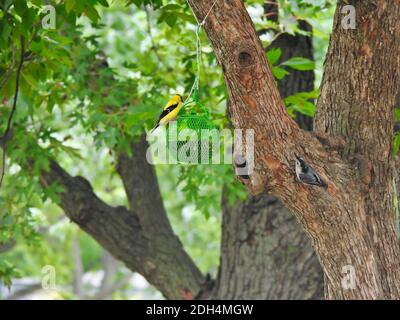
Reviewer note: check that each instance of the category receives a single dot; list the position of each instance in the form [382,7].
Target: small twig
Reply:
[270,14]
[14,107]
[276,36]
[3,166]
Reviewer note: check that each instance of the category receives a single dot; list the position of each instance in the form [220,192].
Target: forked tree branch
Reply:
[335,218]
[160,258]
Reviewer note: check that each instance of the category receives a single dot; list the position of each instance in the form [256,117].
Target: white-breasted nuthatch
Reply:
[307,175]
[242,167]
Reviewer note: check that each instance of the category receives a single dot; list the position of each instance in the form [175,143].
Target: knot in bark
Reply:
[245,55]
[245,59]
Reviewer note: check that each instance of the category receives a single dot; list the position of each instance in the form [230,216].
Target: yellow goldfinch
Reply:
[170,111]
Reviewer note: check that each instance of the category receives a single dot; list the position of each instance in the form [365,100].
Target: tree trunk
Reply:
[351,222]
[358,96]
[264,252]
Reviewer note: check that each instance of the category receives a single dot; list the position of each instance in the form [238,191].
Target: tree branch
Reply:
[161,258]
[141,186]
[140,182]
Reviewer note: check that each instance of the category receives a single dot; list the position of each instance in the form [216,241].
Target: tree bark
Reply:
[264,252]
[338,219]
[358,97]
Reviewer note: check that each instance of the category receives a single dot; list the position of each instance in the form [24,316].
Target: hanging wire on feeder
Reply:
[205,17]
[196,84]
[181,149]
[175,104]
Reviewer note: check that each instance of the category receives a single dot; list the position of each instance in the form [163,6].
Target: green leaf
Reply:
[397,114]
[20,7]
[273,55]
[5,3]
[300,102]
[5,30]
[307,108]
[171,7]
[91,13]
[279,73]
[186,17]
[298,63]
[104,3]
[170,19]
[69,5]
[396,143]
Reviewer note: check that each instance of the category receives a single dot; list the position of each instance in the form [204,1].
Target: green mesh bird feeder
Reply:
[192,138]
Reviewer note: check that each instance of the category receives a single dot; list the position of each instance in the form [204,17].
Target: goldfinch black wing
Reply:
[167,111]
[164,114]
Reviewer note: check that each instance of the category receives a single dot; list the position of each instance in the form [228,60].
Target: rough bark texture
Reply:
[358,96]
[338,219]
[150,248]
[264,252]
